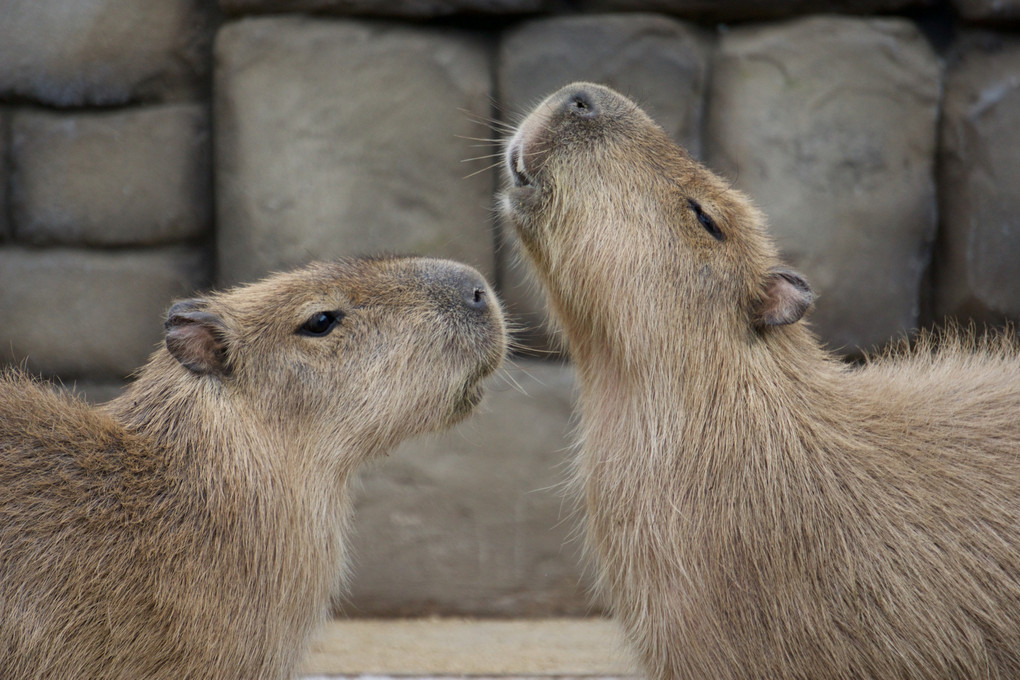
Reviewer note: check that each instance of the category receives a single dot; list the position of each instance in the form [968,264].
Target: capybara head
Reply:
[378,348]
[620,222]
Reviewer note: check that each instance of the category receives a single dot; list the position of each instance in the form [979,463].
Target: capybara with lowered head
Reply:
[196,526]
[756,508]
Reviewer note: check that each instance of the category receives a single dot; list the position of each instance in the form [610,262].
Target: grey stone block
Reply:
[475,521]
[743,10]
[347,137]
[71,53]
[829,124]
[76,313]
[134,177]
[407,9]
[658,61]
[977,273]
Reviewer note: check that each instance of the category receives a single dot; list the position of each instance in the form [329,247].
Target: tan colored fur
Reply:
[756,508]
[195,527]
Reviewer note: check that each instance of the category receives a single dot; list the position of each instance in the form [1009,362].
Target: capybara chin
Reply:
[756,508]
[195,527]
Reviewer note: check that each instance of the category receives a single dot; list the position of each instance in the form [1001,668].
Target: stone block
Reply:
[744,10]
[660,62]
[345,138]
[132,177]
[829,124]
[77,52]
[475,521]
[87,314]
[406,9]
[976,269]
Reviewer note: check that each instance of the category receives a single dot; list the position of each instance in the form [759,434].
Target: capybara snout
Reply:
[461,287]
[565,117]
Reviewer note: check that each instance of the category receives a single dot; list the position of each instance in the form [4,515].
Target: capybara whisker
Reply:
[488,155]
[477,172]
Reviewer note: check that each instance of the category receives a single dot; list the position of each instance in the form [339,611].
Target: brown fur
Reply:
[195,526]
[756,508]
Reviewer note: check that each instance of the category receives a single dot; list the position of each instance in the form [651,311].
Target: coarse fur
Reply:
[755,507]
[195,526]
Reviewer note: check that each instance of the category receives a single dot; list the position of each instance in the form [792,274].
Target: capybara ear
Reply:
[196,338]
[787,296]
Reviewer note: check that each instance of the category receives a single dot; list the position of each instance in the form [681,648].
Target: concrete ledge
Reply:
[461,647]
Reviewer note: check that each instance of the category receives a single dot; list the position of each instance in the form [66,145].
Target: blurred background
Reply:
[152,148]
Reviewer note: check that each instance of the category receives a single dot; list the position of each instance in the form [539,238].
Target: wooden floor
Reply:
[431,648]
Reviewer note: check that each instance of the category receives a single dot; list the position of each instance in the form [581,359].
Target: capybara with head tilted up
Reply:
[756,508]
[195,527]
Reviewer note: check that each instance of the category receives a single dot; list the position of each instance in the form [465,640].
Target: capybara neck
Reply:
[204,426]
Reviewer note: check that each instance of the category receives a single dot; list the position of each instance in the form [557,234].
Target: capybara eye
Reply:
[706,221]
[320,324]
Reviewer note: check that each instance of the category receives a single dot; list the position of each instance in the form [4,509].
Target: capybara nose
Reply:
[580,102]
[458,287]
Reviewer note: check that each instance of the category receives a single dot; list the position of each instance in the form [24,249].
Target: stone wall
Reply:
[151,149]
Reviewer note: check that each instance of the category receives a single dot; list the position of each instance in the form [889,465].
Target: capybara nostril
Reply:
[478,299]
[580,102]
[473,292]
